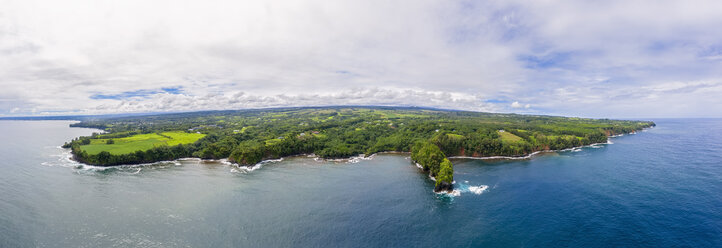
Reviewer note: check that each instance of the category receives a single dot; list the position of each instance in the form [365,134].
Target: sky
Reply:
[601,59]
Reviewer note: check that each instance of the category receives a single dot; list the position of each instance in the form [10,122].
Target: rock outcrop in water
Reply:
[434,161]
[443,186]
[445,177]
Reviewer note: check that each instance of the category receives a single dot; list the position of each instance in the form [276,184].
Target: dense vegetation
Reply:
[249,136]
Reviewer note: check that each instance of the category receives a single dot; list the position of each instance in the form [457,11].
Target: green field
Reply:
[509,137]
[249,136]
[140,142]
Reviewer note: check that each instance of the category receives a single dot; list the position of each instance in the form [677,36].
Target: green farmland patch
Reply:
[509,137]
[140,142]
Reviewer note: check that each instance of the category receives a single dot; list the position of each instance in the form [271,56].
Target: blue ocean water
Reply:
[657,188]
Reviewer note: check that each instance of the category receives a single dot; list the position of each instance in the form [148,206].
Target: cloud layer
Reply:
[598,59]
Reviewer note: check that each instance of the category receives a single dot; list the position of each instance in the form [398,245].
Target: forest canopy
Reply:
[247,137]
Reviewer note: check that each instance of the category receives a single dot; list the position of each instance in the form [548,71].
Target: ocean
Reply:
[661,187]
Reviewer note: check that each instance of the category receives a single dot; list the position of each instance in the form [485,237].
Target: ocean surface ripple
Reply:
[657,188]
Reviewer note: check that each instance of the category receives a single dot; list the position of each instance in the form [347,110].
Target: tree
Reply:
[110,142]
[428,155]
[249,152]
[103,157]
[446,173]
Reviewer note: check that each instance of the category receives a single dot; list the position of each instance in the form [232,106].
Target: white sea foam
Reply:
[452,194]
[350,160]
[573,149]
[478,189]
[189,159]
[359,158]
[247,169]
[502,157]
[92,168]
[272,160]
[133,168]
[64,159]
[464,188]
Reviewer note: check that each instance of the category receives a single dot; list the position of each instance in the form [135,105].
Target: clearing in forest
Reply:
[140,142]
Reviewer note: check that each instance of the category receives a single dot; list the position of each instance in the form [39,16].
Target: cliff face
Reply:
[444,186]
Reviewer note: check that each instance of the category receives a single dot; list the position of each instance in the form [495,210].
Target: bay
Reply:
[660,187]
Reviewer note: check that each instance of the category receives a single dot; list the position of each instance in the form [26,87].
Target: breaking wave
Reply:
[463,188]
[502,157]
[65,159]
[478,189]
[247,169]
[573,149]
[350,160]
[359,158]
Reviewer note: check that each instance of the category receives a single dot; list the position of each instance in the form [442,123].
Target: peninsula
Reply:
[246,137]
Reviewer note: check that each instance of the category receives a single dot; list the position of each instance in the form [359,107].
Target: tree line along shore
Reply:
[247,137]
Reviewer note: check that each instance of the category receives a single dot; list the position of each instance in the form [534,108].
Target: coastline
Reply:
[245,169]
[530,155]
[357,158]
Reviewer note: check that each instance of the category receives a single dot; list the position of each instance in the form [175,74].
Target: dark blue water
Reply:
[659,188]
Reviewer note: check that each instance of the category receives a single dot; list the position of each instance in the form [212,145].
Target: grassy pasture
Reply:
[509,137]
[140,142]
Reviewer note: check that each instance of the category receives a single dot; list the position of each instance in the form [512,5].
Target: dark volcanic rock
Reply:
[444,186]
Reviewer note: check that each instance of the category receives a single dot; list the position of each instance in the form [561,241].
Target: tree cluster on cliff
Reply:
[445,178]
[434,161]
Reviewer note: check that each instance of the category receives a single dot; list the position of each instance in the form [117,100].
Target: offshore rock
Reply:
[444,186]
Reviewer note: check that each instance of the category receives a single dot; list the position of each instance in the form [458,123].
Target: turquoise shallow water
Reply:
[658,188]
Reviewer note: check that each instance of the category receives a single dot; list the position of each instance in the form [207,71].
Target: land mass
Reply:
[247,137]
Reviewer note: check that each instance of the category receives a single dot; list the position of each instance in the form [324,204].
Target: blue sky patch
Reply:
[496,101]
[551,60]
[145,93]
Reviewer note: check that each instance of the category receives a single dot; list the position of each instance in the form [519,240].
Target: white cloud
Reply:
[565,57]
[243,100]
